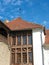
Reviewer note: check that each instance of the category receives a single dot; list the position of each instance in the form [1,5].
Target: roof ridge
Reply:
[19,18]
[19,24]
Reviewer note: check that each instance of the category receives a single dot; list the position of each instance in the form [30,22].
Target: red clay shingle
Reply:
[19,24]
[47,37]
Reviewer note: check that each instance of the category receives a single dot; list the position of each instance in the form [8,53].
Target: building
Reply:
[23,43]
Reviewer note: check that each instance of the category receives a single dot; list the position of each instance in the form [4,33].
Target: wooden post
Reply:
[11,40]
[16,51]
[21,50]
[16,40]
[27,50]
[9,45]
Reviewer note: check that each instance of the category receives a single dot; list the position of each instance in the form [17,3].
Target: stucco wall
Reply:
[37,49]
[4,54]
[46,56]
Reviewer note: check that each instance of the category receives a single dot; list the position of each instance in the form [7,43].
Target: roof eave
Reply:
[27,29]
[5,25]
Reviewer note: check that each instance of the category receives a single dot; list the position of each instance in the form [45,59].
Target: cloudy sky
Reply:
[36,11]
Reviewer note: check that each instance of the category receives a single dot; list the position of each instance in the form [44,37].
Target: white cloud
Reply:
[0,3]
[2,9]
[5,2]
[1,17]
[44,5]
[44,22]
[18,2]
[29,2]
[23,11]
[11,16]
[13,2]
[16,10]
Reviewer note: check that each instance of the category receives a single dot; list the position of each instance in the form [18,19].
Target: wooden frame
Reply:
[9,40]
[21,46]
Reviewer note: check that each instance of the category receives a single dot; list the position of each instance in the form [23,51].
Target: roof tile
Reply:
[19,24]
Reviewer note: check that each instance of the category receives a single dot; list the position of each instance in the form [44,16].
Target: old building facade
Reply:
[23,43]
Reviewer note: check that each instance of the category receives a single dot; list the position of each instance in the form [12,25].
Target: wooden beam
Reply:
[27,51]
[21,50]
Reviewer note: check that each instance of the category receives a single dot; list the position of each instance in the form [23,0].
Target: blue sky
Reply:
[36,11]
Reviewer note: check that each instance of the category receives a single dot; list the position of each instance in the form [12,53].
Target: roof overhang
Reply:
[2,25]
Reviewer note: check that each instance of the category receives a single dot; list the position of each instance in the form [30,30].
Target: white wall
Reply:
[46,56]
[37,49]
[4,54]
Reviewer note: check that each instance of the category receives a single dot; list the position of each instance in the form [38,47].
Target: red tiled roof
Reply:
[47,37]
[19,24]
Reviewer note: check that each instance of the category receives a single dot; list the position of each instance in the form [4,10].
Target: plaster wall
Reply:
[46,56]
[37,47]
[4,54]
